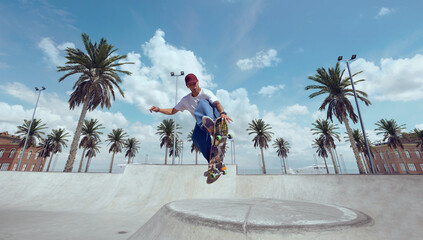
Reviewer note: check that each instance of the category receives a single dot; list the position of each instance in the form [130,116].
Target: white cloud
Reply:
[384,11]
[419,126]
[153,85]
[52,51]
[319,115]
[393,79]
[296,110]
[270,90]
[261,60]
[4,65]
[55,116]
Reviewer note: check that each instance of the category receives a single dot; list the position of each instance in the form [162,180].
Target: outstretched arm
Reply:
[222,112]
[167,111]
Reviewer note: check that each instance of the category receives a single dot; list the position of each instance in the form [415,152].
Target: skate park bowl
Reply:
[174,202]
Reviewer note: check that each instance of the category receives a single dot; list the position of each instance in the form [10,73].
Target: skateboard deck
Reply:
[216,168]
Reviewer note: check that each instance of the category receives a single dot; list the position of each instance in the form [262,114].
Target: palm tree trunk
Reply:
[74,146]
[88,164]
[326,165]
[196,157]
[48,166]
[367,165]
[262,159]
[333,161]
[82,160]
[284,165]
[43,162]
[111,163]
[353,146]
[166,156]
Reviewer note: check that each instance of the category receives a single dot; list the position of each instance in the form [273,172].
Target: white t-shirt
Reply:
[190,103]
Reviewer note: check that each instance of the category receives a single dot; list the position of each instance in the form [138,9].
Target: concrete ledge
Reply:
[244,218]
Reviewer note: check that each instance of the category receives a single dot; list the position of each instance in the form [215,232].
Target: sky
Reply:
[255,55]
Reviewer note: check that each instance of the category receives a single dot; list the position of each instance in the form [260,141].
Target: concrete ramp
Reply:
[254,219]
[150,199]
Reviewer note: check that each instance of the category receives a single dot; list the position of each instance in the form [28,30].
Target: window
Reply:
[12,152]
[378,168]
[386,167]
[407,153]
[14,167]
[421,166]
[37,154]
[4,166]
[20,153]
[397,153]
[24,167]
[417,153]
[1,152]
[412,167]
[29,155]
[388,154]
[381,155]
[402,167]
[32,168]
[393,167]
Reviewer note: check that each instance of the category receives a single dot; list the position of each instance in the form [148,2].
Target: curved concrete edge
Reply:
[172,222]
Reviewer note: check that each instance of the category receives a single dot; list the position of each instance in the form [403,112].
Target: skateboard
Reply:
[216,167]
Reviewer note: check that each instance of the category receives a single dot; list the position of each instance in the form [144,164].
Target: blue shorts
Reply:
[201,137]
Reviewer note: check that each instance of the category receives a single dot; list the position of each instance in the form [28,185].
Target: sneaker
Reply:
[208,123]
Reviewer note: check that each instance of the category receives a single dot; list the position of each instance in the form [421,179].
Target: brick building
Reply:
[10,153]
[388,160]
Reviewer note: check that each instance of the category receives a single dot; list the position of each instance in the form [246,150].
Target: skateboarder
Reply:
[200,102]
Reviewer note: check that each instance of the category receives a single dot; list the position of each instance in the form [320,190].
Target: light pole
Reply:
[172,74]
[353,57]
[30,125]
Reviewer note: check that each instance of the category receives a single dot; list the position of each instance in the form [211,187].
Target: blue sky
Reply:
[254,55]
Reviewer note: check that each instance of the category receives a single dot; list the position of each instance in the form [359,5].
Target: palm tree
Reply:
[46,147]
[319,144]
[337,89]
[165,130]
[58,141]
[419,135]
[193,147]
[35,132]
[177,145]
[359,143]
[116,138]
[90,132]
[282,149]
[327,133]
[132,146]
[94,87]
[93,148]
[391,131]
[262,136]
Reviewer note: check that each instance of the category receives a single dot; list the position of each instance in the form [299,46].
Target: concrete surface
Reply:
[116,206]
[252,219]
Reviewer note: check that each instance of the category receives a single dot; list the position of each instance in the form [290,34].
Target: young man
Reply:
[204,107]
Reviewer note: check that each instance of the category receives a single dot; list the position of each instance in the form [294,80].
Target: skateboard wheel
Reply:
[218,137]
[230,136]
[212,175]
[224,172]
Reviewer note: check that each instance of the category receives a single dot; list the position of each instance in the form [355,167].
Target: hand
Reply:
[226,118]
[154,109]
